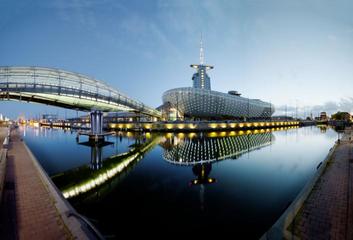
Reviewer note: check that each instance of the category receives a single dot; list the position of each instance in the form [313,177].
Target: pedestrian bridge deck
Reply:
[65,89]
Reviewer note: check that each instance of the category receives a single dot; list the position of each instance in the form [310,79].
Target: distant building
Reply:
[169,111]
[113,117]
[83,118]
[323,116]
[49,118]
[126,117]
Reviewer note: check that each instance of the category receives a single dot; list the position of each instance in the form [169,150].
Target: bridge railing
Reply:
[121,102]
[54,81]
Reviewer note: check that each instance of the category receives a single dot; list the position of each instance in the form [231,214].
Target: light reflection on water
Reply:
[238,182]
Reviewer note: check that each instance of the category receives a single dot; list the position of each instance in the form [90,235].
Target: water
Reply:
[214,183]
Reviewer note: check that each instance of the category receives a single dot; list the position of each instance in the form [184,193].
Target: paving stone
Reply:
[36,215]
[328,211]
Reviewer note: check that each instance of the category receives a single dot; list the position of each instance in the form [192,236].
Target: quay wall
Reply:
[183,126]
[280,229]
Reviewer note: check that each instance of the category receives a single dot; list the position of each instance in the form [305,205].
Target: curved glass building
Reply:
[200,101]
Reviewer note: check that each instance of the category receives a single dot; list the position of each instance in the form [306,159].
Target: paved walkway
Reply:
[28,210]
[328,211]
[3,133]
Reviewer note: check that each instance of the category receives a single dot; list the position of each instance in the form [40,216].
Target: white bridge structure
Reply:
[68,90]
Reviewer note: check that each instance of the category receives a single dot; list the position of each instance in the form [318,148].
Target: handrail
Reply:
[49,80]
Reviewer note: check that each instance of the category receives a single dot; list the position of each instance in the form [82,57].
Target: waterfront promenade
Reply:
[31,209]
[3,133]
[327,210]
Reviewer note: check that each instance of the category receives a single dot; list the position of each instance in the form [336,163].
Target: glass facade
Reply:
[201,102]
[195,102]
[200,78]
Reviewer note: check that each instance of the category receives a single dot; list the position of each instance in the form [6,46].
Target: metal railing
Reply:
[57,82]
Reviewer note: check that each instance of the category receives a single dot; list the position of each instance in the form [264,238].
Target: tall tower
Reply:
[200,78]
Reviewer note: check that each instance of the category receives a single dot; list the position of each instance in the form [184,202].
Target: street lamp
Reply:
[338,137]
[248,108]
[270,111]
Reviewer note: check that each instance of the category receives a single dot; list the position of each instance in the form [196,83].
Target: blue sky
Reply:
[287,52]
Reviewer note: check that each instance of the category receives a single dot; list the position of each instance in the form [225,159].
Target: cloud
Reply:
[283,108]
[343,105]
[84,12]
[165,41]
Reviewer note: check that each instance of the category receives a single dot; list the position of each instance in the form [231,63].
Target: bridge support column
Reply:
[96,126]
[96,157]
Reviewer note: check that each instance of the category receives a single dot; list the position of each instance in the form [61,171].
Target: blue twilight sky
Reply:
[287,52]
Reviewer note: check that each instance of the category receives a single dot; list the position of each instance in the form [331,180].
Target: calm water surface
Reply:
[212,183]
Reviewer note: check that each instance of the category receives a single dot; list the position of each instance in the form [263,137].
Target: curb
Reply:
[76,224]
[279,229]
[3,162]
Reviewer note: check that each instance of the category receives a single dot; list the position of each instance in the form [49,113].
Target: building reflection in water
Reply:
[323,127]
[208,148]
[96,157]
[97,148]
[103,172]
[200,151]
[96,153]
[202,172]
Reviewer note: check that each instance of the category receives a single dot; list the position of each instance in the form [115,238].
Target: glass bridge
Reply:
[65,89]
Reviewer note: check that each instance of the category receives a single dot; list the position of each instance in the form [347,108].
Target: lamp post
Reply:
[248,108]
[338,137]
[177,110]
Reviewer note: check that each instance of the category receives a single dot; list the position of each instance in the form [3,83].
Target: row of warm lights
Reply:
[125,125]
[58,124]
[34,123]
[61,124]
[252,124]
[149,126]
[103,177]
[180,126]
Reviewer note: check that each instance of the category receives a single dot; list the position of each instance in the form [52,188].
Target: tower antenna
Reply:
[202,56]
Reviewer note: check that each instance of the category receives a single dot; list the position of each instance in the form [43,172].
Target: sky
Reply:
[290,53]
